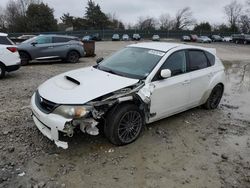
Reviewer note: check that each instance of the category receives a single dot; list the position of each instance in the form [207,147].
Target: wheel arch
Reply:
[73,50]
[208,92]
[24,51]
[134,101]
[1,63]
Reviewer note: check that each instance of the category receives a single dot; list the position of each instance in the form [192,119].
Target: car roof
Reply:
[162,46]
[54,35]
[166,46]
[3,34]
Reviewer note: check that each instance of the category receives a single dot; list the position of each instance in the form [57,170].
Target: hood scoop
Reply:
[73,80]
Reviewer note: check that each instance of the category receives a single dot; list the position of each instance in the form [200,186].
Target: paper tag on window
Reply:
[154,52]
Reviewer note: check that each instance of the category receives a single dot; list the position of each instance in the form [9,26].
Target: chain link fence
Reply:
[146,34]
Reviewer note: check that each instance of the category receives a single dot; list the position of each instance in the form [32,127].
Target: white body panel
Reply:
[53,122]
[169,96]
[7,57]
[93,83]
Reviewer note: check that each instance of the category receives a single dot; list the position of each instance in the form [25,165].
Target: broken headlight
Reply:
[72,111]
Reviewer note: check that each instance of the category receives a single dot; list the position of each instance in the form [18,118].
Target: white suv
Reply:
[140,84]
[9,56]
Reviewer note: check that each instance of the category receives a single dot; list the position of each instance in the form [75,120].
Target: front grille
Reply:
[45,105]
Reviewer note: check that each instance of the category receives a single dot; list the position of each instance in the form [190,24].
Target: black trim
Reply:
[72,80]
[13,67]
[44,105]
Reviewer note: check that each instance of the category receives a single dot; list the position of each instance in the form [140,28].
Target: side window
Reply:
[60,39]
[44,40]
[198,60]
[211,58]
[176,63]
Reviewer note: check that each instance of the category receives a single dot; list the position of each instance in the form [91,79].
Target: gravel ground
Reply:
[197,148]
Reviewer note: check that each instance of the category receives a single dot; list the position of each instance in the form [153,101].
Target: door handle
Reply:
[186,82]
[51,47]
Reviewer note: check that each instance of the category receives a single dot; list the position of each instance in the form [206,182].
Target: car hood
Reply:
[82,85]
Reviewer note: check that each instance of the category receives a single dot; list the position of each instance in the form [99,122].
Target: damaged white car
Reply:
[138,85]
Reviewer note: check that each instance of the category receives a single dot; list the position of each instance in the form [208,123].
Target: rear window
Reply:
[211,58]
[198,60]
[61,39]
[5,41]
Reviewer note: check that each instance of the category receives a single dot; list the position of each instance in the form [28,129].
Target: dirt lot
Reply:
[197,148]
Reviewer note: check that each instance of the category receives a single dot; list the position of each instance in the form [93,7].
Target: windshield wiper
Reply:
[108,70]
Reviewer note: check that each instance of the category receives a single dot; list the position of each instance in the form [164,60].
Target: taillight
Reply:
[12,49]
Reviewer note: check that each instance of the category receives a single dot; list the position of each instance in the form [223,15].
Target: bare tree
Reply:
[248,7]
[184,19]
[2,19]
[244,23]
[165,22]
[12,12]
[147,23]
[24,4]
[233,12]
[15,14]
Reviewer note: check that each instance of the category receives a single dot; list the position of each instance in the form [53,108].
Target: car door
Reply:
[60,46]
[42,47]
[200,75]
[171,95]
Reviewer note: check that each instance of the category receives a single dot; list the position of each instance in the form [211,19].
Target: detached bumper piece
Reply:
[51,133]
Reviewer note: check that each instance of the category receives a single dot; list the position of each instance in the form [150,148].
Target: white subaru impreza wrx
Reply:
[139,84]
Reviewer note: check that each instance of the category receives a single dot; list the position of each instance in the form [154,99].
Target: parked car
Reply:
[186,38]
[227,39]
[51,47]
[136,36]
[144,82]
[156,38]
[216,38]
[193,38]
[96,37]
[25,37]
[115,37]
[9,57]
[241,39]
[125,37]
[204,39]
[87,38]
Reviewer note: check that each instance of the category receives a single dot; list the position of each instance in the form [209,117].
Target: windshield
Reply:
[132,62]
[30,40]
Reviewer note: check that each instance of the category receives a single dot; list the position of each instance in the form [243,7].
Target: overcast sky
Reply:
[129,10]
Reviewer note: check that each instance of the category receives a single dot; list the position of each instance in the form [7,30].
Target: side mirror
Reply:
[34,43]
[99,60]
[165,73]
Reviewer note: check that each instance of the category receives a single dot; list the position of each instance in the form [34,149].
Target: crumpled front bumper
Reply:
[49,124]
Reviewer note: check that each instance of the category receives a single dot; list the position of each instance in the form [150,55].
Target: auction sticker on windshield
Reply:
[155,52]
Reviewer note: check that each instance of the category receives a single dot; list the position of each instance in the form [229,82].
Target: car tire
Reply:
[124,124]
[2,71]
[25,58]
[73,57]
[215,97]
